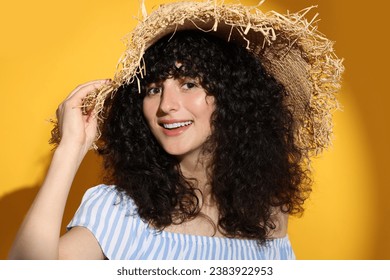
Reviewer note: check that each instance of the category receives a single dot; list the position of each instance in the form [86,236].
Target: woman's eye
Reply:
[153,90]
[189,85]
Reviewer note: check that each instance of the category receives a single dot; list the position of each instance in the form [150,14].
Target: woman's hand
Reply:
[78,130]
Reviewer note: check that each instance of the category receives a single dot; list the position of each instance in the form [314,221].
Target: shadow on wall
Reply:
[14,206]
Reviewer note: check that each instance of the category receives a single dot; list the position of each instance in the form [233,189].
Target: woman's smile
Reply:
[174,127]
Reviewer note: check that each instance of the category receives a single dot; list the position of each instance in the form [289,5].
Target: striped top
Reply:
[123,235]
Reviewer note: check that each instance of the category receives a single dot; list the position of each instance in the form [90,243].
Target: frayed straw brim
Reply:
[289,47]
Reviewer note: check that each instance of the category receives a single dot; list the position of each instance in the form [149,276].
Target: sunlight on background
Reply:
[48,48]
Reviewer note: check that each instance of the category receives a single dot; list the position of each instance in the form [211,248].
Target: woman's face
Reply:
[178,113]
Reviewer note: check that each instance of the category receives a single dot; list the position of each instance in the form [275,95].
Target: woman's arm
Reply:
[39,234]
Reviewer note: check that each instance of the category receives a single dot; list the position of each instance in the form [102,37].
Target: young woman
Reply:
[203,151]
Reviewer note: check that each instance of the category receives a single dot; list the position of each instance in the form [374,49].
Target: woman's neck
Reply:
[196,168]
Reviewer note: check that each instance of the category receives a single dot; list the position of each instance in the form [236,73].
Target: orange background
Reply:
[47,48]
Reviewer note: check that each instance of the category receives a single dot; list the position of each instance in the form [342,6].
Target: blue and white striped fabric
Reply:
[122,235]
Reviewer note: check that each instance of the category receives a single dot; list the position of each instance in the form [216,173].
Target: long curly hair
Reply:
[255,165]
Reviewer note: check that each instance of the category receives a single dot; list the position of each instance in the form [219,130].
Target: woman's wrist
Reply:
[71,152]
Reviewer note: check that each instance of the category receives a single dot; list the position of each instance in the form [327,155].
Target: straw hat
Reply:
[289,47]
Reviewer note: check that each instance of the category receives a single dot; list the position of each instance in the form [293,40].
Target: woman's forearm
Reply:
[38,236]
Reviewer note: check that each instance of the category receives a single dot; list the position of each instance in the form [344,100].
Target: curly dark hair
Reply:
[255,166]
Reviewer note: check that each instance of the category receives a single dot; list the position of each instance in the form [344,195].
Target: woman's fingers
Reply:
[76,96]
[87,87]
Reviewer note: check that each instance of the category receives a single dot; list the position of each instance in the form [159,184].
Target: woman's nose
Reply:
[170,98]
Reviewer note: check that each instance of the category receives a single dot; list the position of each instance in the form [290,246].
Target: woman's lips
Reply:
[174,127]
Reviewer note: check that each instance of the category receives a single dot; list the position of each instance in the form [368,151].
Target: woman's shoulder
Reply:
[102,194]
[100,204]
[111,216]
[99,190]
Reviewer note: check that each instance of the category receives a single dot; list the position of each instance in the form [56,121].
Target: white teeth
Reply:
[176,125]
